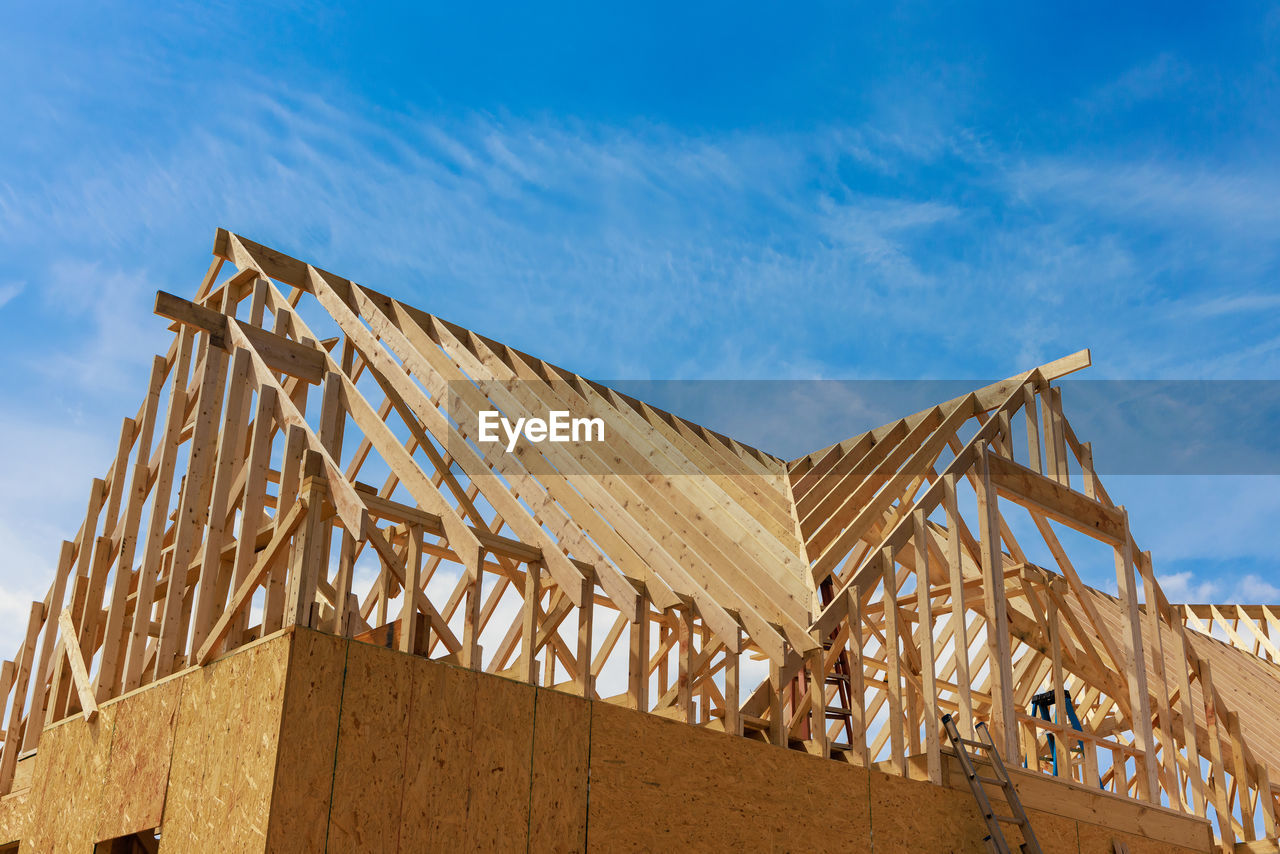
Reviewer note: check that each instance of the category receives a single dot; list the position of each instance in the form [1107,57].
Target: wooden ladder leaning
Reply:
[995,836]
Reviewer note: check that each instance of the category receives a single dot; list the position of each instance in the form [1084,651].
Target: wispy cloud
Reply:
[9,290]
[908,246]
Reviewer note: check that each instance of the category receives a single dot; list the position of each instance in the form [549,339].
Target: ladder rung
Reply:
[990,781]
[841,711]
[1008,819]
[972,743]
[837,677]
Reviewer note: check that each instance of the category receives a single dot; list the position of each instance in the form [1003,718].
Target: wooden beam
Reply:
[281,354]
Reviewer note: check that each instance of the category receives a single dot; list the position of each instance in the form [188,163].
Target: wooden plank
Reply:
[1019,483]
[995,609]
[925,641]
[245,591]
[75,658]
[1139,697]
[988,396]
[281,354]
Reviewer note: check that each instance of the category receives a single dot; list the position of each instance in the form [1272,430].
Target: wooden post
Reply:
[1003,717]
[586,621]
[472,655]
[300,598]
[1164,728]
[924,639]
[732,688]
[528,665]
[346,573]
[1226,833]
[1033,428]
[857,684]
[409,607]
[1139,698]
[13,732]
[777,725]
[684,662]
[893,658]
[959,617]
[638,658]
[1062,747]
[817,703]
[40,668]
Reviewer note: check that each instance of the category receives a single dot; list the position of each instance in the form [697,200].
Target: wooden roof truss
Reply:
[300,458]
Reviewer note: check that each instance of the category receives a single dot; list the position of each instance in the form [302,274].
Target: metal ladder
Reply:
[995,834]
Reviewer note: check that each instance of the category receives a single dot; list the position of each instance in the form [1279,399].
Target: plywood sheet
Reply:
[370,764]
[224,753]
[501,763]
[1095,839]
[13,816]
[137,777]
[659,785]
[308,739]
[558,792]
[468,767]
[909,815]
[71,765]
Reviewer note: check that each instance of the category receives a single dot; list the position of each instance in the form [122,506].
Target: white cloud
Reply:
[1256,590]
[9,290]
[1185,587]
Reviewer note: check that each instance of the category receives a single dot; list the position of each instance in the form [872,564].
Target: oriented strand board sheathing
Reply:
[370,765]
[13,816]
[137,777]
[658,785]
[468,767]
[1040,793]
[224,754]
[908,816]
[308,738]
[1101,840]
[501,762]
[71,766]
[558,795]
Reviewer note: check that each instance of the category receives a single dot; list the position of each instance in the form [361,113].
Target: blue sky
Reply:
[728,191]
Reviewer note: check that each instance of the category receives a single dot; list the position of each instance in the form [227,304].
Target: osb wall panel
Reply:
[1095,839]
[71,766]
[224,754]
[369,771]
[308,738]
[137,777]
[1088,806]
[558,790]
[13,816]
[659,785]
[470,750]
[910,815]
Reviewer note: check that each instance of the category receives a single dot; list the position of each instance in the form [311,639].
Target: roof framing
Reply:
[838,603]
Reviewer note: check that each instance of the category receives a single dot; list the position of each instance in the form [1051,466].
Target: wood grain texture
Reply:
[467,775]
[224,755]
[370,764]
[308,739]
[558,794]
[13,816]
[1095,839]
[658,785]
[70,768]
[137,777]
